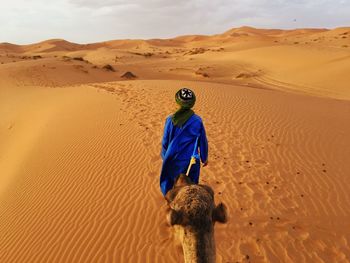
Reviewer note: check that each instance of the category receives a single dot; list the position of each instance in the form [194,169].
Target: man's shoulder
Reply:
[197,117]
[169,117]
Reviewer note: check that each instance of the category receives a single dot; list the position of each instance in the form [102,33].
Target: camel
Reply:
[192,213]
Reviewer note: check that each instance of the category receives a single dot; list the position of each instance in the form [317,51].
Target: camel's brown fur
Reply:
[193,214]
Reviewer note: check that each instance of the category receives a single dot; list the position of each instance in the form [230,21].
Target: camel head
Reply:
[193,213]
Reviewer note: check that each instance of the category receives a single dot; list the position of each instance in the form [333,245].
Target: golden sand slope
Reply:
[79,146]
[81,167]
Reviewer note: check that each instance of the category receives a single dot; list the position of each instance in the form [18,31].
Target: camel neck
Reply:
[198,246]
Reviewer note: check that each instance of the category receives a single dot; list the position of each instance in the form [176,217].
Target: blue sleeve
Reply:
[165,140]
[203,145]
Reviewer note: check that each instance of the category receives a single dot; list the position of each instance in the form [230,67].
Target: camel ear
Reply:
[182,180]
[220,213]
[209,190]
[170,195]
[175,217]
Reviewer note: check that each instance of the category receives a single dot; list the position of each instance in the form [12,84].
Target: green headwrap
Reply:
[186,99]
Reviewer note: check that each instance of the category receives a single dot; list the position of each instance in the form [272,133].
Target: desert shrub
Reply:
[78,58]
[129,75]
[108,68]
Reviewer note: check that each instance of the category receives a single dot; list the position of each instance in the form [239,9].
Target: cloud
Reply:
[91,20]
[117,3]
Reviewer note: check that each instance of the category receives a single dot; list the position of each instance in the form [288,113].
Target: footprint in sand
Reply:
[299,233]
[219,187]
[261,162]
[152,174]
[155,159]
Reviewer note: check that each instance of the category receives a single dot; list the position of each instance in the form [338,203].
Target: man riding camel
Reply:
[184,134]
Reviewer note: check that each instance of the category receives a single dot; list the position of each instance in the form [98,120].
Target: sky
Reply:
[88,21]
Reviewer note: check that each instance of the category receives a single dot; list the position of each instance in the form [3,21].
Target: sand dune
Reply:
[79,146]
[301,60]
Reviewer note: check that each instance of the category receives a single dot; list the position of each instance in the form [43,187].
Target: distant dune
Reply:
[80,133]
[311,61]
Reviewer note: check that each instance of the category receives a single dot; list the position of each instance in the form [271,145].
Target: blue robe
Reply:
[177,148]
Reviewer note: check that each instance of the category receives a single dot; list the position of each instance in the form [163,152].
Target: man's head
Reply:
[185,98]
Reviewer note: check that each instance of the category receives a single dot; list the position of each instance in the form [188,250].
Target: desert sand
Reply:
[80,145]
